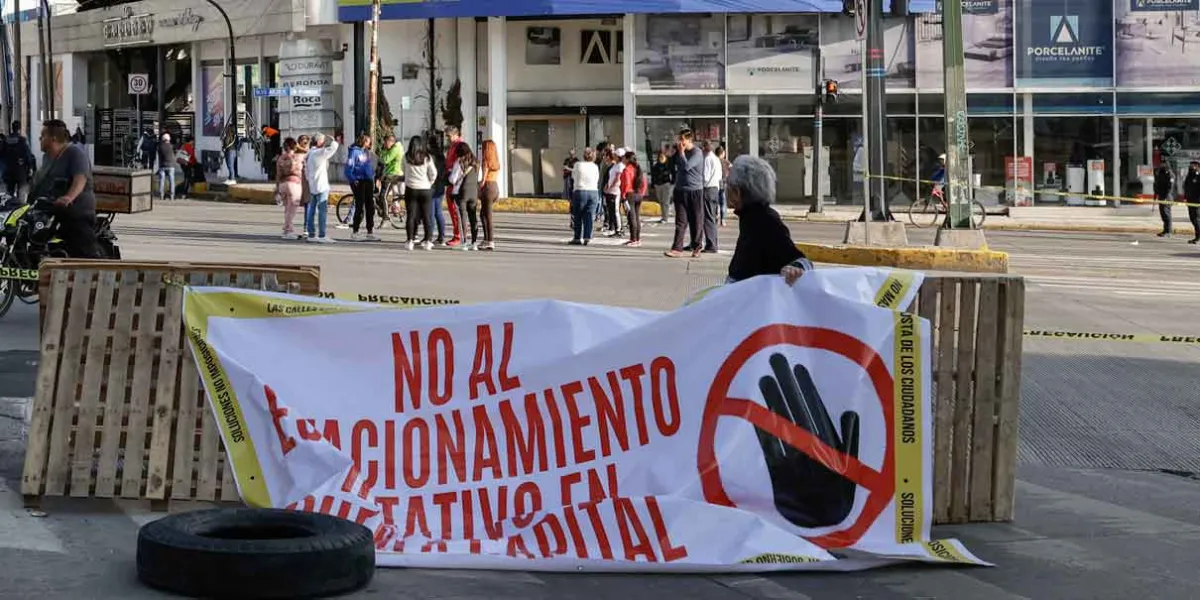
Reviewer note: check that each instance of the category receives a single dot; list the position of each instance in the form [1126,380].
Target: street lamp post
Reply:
[957,140]
[231,73]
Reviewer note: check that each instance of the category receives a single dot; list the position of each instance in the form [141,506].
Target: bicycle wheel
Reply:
[978,214]
[923,213]
[393,207]
[8,287]
[344,209]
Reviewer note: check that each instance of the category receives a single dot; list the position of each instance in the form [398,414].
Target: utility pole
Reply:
[373,78]
[17,110]
[957,139]
[818,203]
[876,102]
[47,67]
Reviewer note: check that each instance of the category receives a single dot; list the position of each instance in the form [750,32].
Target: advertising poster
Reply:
[987,45]
[680,52]
[1064,43]
[214,100]
[543,46]
[843,59]
[1158,42]
[771,52]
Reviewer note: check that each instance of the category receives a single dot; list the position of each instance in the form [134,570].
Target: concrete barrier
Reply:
[917,258]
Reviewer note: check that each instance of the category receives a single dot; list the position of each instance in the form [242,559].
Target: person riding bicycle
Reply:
[939,176]
[66,177]
[391,161]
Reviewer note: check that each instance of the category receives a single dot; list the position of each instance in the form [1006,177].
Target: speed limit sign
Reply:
[139,83]
[860,18]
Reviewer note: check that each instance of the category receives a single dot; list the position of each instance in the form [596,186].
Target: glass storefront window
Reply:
[1143,103]
[738,141]
[653,105]
[1176,142]
[901,160]
[660,133]
[990,141]
[842,136]
[1072,156]
[1073,104]
[1136,162]
[786,143]
[679,52]
[787,106]
[977,104]
[739,105]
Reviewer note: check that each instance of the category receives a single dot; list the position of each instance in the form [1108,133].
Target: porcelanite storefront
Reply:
[1069,97]
[182,46]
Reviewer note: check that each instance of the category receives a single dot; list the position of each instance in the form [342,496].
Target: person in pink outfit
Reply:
[289,172]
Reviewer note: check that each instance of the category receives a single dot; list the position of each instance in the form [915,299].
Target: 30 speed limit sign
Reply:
[139,83]
[860,18]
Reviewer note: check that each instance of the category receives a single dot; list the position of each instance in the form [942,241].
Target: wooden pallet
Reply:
[119,411]
[977,336]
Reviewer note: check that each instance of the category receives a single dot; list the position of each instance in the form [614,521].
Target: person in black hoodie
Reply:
[764,245]
[1191,193]
[1164,189]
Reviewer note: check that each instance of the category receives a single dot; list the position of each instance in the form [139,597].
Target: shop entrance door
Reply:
[540,147]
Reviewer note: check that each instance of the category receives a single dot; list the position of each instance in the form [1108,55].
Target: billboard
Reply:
[771,52]
[1157,42]
[844,61]
[987,46]
[1064,43]
[679,52]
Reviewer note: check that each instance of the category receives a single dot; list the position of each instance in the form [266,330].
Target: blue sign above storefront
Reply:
[1064,43]
[360,10]
[1163,5]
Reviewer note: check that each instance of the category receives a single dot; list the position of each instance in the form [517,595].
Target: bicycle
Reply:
[925,212]
[389,206]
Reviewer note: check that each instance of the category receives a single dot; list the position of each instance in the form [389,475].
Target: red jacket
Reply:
[627,180]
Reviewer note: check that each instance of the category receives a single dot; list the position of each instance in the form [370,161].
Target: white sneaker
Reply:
[323,240]
[230,181]
[370,237]
[409,246]
[288,236]
[342,226]
[357,237]
[427,245]
[465,247]
[310,239]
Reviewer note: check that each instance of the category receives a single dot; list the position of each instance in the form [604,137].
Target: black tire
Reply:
[255,553]
[8,287]
[344,208]
[923,212]
[978,214]
[394,214]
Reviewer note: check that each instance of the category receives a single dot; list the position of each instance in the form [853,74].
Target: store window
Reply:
[991,144]
[786,143]
[656,134]
[738,141]
[679,52]
[1176,142]
[1072,158]
[706,105]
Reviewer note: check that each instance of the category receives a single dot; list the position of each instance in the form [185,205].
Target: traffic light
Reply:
[848,8]
[830,90]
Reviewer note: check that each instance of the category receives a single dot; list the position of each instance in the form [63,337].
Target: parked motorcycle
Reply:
[29,235]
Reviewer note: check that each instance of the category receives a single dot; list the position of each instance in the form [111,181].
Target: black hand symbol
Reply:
[807,493]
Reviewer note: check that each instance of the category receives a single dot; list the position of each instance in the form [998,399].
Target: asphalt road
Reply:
[1096,515]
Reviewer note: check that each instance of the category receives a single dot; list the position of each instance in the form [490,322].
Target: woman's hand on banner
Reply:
[807,493]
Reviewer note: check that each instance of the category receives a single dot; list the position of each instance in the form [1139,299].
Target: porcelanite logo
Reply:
[1064,43]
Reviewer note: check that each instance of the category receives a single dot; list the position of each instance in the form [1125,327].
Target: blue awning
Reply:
[360,10]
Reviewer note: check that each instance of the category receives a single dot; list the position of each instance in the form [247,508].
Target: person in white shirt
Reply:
[316,170]
[713,171]
[586,177]
[420,174]
[612,194]
[858,172]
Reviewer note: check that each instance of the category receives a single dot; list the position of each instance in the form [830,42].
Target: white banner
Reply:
[764,427]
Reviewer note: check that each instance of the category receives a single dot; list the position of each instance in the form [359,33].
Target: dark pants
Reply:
[689,216]
[610,212]
[633,203]
[364,205]
[491,193]
[472,216]
[1164,211]
[1194,217]
[419,205]
[78,234]
[460,222]
[712,210]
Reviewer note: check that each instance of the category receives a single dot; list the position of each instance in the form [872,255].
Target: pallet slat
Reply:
[984,392]
[963,404]
[115,387]
[1008,393]
[58,468]
[165,396]
[83,455]
[38,445]
[183,472]
[943,401]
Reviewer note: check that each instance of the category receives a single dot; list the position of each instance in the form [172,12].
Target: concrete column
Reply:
[629,126]
[198,93]
[1027,126]
[468,69]
[497,126]
[753,125]
[1116,162]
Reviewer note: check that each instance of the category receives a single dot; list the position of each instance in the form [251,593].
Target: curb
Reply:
[917,259]
[1023,226]
[545,206]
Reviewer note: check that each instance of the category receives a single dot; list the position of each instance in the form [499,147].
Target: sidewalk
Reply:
[1129,218]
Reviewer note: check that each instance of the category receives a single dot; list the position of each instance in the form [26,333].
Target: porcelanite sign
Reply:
[543,435]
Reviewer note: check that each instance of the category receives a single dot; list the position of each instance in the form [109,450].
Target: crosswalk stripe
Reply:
[19,530]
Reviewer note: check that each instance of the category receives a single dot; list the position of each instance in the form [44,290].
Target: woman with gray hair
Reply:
[764,245]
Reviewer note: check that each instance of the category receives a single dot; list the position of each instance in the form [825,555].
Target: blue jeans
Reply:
[721,201]
[439,218]
[315,213]
[165,174]
[584,206]
[231,162]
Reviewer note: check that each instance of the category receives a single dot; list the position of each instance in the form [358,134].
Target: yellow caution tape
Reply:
[389,299]
[1032,190]
[1144,338]
[20,274]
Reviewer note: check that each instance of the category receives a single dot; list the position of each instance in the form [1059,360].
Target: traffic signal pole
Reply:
[957,186]
[818,84]
[876,108]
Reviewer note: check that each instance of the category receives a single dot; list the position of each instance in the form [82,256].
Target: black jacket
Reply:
[1164,182]
[1191,186]
[662,173]
[764,245]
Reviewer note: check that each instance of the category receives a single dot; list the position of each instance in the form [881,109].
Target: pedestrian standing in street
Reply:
[439,190]
[316,171]
[662,175]
[612,194]
[568,168]
[489,193]
[585,176]
[420,175]
[18,162]
[1164,193]
[457,146]
[360,172]
[712,196]
[166,166]
[633,189]
[186,158]
[464,184]
[289,172]
[725,166]
[689,194]
[1191,192]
